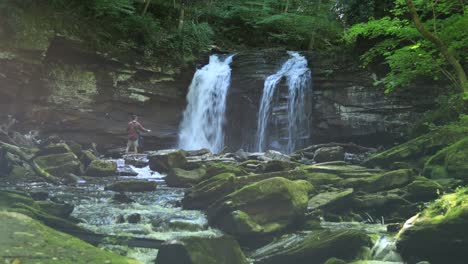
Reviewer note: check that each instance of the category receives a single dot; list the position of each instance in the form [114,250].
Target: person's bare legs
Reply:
[136,149]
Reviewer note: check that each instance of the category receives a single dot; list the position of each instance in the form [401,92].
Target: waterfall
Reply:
[202,125]
[298,79]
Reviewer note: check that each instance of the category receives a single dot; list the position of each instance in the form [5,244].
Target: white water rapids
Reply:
[298,79]
[202,125]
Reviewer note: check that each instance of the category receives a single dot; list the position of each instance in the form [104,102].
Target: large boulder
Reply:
[132,186]
[60,165]
[417,149]
[184,178]
[200,250]
[392,206]
[164,161]
[438,234]
[330,200]
[450,162]
[423,190]
[29,241]
[56,148]
[385,181]
[207,192]
[314,247]
[216,167]
[261,208]
[101,168]
[329,154]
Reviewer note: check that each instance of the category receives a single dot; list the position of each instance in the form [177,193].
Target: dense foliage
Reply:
[396,43]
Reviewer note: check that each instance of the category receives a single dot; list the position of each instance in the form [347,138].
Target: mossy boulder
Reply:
[202,195]
[265,207]
[216,168]
[438,234]
[335,261]
[132,186]
[385,181]
[87,156]
[321,178]
[200,250]
[387,204]
[164,161]
[314,247]
[278,165]
[101,168]
[326,154]
[416,150]
[56,148]
[60,165]
[450,162]
[423,190]
[61,210]
[184,178]
[342,170]
[330,200]
[29,241]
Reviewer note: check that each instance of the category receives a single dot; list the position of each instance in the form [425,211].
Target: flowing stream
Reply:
[202,125]
[161,216]
[298,79]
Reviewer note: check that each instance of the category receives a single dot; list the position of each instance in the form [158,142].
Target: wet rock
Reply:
[132,186]
[164,161]
[134,218]
[60,165]
[61,210]
[101,168]
[139,161]
[186,225]
[200,152]
[388,205]
[57,148]
[335,261]
[207,192]
[450,162]
[274,155]
[184,178]
[314,247]
[261,208]
[39,195]
[423,190]
[335,199]
[122,198]
[87,157]
[326,154]
[120,219]
[394,227]
[126,171]
[199,250]
[278,165]
[438,233]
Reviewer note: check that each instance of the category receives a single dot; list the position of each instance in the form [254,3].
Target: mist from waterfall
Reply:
[202,125]
[298,79]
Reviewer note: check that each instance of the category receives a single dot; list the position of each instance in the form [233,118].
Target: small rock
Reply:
[132,186]
[394,227]
[39,195]
[122,198]
[326,154]
[164,161]
[101,168]
[134,218]
[120,219]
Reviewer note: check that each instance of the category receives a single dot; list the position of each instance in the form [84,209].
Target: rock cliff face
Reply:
[64,88]
[60,87]
[346,104]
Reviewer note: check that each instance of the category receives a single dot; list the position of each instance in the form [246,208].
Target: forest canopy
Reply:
[383,33]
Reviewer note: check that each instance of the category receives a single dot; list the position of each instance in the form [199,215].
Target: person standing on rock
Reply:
[134,128]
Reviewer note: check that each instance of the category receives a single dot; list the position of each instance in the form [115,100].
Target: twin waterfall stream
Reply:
[202,125]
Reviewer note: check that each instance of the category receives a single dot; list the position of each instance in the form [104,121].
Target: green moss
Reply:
[34,243]
[449,162]
[261,208]
[215,168]
[320,178]
[202,195]
[417,149]
[59,165]
[185,178]
[101,168]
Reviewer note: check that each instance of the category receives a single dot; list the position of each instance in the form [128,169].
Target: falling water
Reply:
[298,78]
[202,125]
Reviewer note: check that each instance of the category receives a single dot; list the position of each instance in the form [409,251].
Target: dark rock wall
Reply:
[66,89]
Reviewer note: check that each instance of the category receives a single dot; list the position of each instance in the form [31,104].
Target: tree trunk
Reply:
[146,7]
[461,75]
[181,18]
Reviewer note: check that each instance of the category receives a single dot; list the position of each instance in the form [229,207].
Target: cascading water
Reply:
[202,125]
[298,78]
